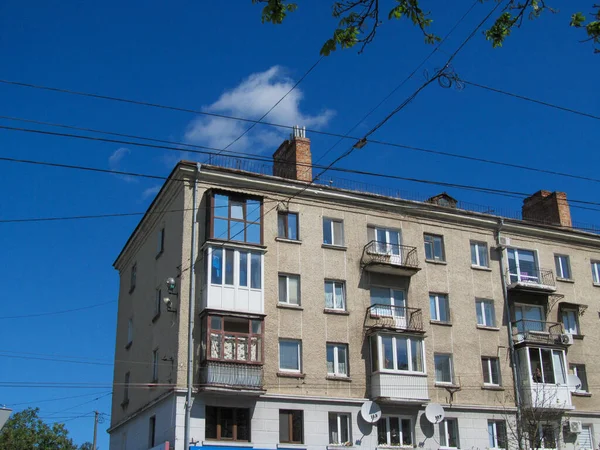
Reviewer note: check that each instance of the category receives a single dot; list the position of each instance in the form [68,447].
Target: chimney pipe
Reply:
[293,158]
[548,207]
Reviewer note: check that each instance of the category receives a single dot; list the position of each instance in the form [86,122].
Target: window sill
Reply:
[338,446]
[436,261]
[156,316]
[565,280]
[339,312]
[581,394]
[338,378]
[291,375]
[287,306]
[484,327]
[283,445]
[233,244]
[483,268]
[217,443]
[446,385]
[437,322]
[490,387]
[335,247]
[128,345]
[597,284]
[288,241]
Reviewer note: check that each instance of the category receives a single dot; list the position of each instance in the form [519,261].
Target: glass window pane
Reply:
[281,226]
[236,230]
[547,366]
[283,289]
[256,326]
[221,205]
[559,372]
[327,236]
[229,266]
[490,319]
[428,248]
[294,290]
[443,441]
[334,437]
[495,374]
[338,233]
[243,269]
[479,311]
[474,254]
[438,249]
[339,296]
[284,427]
[406,432]
[211,422]
[394,430]
[243,424]
[432,307]
[220,229]
[443,306]
[237,210]
[486,371]
[329,294]
[217,266]
[297,426]
[330,359]
[382,431]
[536,366]
[483,259]
[252,233]
[452,433]
[344,428]
[342,360]
[226,422]
[443,371]
[388,352]
[416,348]
[491,435]
[288,355]
[292,226]
[256,272]
[253,210]
[374,354]
[402,353]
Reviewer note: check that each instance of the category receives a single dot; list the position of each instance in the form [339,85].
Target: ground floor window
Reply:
[291,426]
[339,429]
[497,433]
[449,433]
[227,424]
[394,431]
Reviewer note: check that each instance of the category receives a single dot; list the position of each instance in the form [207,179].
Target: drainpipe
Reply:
[511,344]
[192,312]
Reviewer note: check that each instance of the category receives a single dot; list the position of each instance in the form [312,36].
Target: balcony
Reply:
[536,331]
[390,259]
[536,281]
[390,317]
[399,388]
[231,377]
[546,396]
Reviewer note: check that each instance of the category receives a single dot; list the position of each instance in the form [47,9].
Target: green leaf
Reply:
[577,19]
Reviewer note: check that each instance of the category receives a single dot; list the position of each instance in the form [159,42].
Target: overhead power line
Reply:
[53,313]
[55,399]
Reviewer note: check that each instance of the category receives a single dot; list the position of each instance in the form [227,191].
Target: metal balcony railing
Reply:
[543,278]
[377,252]
[536,331]
[394,317]
[228,375]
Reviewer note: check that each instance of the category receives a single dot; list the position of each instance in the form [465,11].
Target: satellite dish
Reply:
[4,415]
[370,411]
[434,413]
[573,382]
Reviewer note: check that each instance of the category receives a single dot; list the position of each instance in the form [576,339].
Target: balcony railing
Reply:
[536,279]
[231,376]
[390,258]
[394,317]
[396,387]
[536,331]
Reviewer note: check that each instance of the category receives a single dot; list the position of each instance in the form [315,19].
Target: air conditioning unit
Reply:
[566,339]
[504,242]
[575,426]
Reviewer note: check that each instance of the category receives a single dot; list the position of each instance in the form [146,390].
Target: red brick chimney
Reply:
[548,207]
[293,159]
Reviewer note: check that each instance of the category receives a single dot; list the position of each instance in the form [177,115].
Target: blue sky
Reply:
[219,57]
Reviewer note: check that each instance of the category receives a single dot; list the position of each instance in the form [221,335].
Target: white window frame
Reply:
[236,268]
[451,364]
[494,434]
[129,331]
[387,418]
[489,361]
[590,433]
[331,221]
[520,277]
[299,349]
[596,272]
[341,418]
[437,307]
[552,351]
[409,339]
[386,247]
[446,436]
[155,365]
[442,257]
[335,283]
[478,262]
[336,350]
[541,434]
[287,289]
[480,305]
[560,260]
[575,317]
[573,368]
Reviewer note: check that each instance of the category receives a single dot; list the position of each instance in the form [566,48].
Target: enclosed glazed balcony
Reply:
[391,317]
[395,387]
[227,376]
[391,259]
[536,331]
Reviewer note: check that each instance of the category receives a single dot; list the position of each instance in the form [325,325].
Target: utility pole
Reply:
[96,414]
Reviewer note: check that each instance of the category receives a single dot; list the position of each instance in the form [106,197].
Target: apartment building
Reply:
[312,300]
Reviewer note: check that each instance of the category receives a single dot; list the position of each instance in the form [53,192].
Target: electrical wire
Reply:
[23,316]
[55,399]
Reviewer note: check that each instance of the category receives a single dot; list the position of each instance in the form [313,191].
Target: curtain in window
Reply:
[255,349]
[342,360]
[329,295]
[559,373]
[229,348]
[242,349]
[330,359]
[333,430]
[339,296]
[215,346]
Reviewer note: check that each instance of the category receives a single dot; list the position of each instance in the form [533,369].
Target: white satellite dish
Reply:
[434,413]
[4,415]
[370,411]
[573,382]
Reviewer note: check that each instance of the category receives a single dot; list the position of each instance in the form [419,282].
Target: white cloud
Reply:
[114,163]
[151,191]
[251,99]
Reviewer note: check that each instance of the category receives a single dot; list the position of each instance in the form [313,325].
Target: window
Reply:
[335,295]
[449,433]
[443,368]
[479,254]
[563,266]
[126,388]
[227,424]
[570,320]
[440,310]
[157,302]
[434,247]
[160,242]
[389,303]
[596,272]
[491,371]
[291,428]
[585,439]
[152,432]
[129,332]
[232,267]
[579,371]
[333,231]
[398,353]
[155,366]
[339,429]
[287,225]
[486,316]
[133,277]
[386,240]
[337,360]
[529,318]
[547,366]
[543,438]
[233,339]
[497,433]
[289,289]
[236,218]
[523,266]
[394,431]
[290,355]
